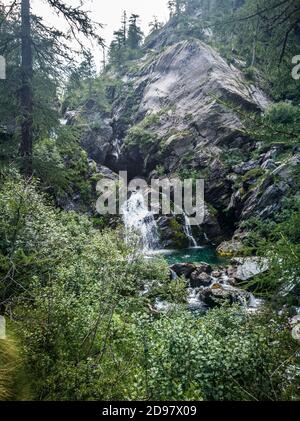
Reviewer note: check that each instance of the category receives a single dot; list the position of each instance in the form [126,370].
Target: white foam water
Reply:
[140,224]
[188,232]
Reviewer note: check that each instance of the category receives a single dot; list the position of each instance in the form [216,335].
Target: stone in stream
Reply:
[183,269]
[191,270]
[231,281]
[199,279]
[216,274]
[217,293]
[204,267]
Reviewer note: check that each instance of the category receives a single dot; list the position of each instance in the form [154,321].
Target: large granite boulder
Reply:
[249,267]
[218,293]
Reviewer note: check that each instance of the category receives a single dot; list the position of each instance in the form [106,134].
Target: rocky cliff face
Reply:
[177,114]
[183,87]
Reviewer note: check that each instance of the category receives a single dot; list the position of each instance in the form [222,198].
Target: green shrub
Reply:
[250,73]
[140,134]
[225,355]
[137,136]
[80,300]
[66,284]
[282,113]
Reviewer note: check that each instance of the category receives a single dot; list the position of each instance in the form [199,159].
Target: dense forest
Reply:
[139,306]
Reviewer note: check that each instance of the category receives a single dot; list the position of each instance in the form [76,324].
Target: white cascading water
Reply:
[140,223]
[188,231]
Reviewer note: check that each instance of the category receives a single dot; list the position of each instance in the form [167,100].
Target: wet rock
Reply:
[231,271]
[231,281]
[177,84]
[191,130]
[210,227]
[199,279]
[284,171]
[296,332]
[96,140]
[264,201]
[171,232]
[295,320]
[179,144]
[295,326]
[216,274]
[101,171]
[235,205]
[217,293]
[204,267]
[183,269]
[271,154]
[266,198]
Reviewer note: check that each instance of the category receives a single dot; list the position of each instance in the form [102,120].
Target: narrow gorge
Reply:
[178,111]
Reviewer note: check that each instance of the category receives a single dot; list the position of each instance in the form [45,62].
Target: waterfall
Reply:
[139,222]
[188,231]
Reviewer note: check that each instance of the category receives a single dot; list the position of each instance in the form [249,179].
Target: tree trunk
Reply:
[255,44]
[26,91]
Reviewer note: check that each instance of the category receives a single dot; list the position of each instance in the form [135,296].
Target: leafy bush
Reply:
[232,158]
[67,285]
[82,301]
[225,355]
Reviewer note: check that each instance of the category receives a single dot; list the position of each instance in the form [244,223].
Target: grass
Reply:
[14,383]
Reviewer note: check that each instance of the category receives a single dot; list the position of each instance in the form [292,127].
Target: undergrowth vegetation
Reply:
[85,331]
[79,302]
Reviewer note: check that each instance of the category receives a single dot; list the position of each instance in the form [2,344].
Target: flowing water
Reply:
[141,229]
[140,225]
[188,232]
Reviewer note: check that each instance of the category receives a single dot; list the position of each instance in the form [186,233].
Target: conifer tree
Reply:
[155,25]
[79,23]
[135,34]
